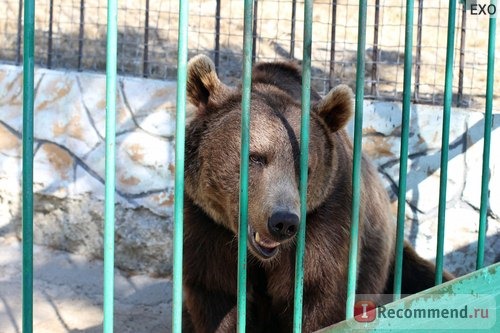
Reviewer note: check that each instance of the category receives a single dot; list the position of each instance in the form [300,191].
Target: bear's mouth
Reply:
[262,246]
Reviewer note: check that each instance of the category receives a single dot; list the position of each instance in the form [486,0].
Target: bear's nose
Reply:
[283,225]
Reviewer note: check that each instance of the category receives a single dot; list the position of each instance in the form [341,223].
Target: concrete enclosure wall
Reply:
[69,169]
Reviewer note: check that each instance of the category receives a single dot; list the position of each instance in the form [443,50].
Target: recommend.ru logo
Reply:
[435,311]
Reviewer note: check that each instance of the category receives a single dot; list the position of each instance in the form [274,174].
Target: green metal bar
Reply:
[28,129]
[109,190]
[487,141]
[356,171]
[448,91]
[245,153]
[403,158]
[180,129]
[304,156]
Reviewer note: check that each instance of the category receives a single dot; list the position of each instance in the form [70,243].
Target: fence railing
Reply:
[179,167]
[72,36]
[28,133]
[403,157]
[110,151]
[248,41]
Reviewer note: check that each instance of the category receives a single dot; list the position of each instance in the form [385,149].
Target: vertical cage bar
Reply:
[254,29]
[19,32]
[28,129]
[292,31]
[109,190]
[180,130]
[460,91]
[245,152]
[81,33]
[49,43]
[146,42]
[448,92]
[356,171]
[217,35]
[403,158]
[304,156]
[490,79]
[373,91]
[332,44]
[418,53]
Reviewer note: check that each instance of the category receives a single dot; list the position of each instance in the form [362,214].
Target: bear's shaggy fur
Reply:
[212,197]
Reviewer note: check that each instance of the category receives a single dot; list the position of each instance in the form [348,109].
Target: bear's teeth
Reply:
[265,242]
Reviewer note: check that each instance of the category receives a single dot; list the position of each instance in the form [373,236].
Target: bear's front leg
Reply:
[210,311]
[320,311]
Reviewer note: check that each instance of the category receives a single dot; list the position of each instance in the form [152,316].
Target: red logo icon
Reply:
[364,311]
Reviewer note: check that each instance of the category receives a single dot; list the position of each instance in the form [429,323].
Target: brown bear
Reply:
[212,198]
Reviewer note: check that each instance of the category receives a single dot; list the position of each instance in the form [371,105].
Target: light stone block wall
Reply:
[69,169]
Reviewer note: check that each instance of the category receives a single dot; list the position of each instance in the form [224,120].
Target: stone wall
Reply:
[69,168]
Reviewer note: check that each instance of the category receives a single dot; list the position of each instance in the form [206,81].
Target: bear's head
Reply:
[213,150]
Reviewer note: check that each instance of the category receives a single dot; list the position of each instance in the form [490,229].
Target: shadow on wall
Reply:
[424,166]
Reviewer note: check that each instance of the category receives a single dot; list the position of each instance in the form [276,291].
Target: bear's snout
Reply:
[283,225]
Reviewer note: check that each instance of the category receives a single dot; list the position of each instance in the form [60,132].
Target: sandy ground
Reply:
[68,294]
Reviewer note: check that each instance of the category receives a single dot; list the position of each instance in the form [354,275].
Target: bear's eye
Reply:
[257,159]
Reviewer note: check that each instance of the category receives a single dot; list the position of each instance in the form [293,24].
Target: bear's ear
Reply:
[336,108]
[203,84]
